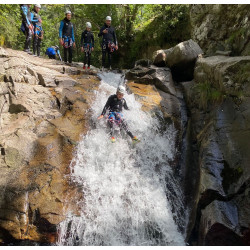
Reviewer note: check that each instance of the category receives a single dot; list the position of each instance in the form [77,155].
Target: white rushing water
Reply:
[125,190]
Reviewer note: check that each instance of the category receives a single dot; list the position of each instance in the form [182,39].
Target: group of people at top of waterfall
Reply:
[32,27]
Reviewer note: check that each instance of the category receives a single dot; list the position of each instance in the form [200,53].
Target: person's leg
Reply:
[28,36]
[85,57]
[39,40]
[109,58]
[65,51]
[124,125]
[35,44]
[70,54]
[29,39]
[103,54]
[111,120]
[89,57]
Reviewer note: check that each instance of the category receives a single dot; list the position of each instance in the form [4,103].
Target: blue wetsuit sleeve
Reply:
[34,19]
[73,38]
[25,12]
[61,29]
[106,106]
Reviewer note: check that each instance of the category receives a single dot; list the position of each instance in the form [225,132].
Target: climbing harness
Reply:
[67,42]
[87,47]
[115,118]
[111,47]
[38,31]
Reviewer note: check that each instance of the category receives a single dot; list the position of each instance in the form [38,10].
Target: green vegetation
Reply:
[207,94]
[139,27]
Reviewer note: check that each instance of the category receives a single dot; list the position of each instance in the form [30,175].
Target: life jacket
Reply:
[67,28]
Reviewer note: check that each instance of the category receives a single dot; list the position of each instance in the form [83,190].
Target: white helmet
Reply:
[121,89]
[38,6]
[67,12]
[108,18]
[88,25]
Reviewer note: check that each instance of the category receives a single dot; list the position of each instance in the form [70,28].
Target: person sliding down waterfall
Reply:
[115,104]
[87,43]
[109,41]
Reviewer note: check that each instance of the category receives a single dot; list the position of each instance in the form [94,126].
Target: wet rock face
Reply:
[180,59]
[218,101]
[158,94]
[221,27]
[160,77]
[42,115]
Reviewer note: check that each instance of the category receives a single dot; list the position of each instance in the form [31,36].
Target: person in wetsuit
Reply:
[38,31]
[115,104]
[52,51]
[87,44]
[66,37]
[26,26]
[109,41]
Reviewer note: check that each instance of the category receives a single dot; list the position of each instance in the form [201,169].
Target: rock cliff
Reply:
[44,110]
[213,110]
[221,28]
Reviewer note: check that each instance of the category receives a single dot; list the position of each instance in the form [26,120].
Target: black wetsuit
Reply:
[107,38]
[66,31]
[38,33]
[115,105]
[87,42]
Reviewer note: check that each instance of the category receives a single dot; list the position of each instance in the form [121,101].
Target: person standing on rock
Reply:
[109,41]
[87,44]
[38,31]
[26,26]
[66,37]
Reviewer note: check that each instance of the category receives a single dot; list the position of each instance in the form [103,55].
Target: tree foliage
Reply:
[140,28]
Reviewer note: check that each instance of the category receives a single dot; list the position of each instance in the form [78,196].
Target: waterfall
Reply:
[124,186]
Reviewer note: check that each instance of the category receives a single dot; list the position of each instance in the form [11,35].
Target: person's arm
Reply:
[34,18]
[82,38]
[73,38]
[125,105]
[25,12]
[61,29]
[101,31]
[93,40]
[114,37]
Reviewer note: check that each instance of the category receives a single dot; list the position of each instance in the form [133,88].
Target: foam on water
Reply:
[125,194]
